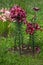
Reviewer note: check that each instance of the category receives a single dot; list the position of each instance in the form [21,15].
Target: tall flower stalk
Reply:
[5,17]
[18,14]
[32,27]
[36,9]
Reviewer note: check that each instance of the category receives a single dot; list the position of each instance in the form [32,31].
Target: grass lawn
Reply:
[9,58]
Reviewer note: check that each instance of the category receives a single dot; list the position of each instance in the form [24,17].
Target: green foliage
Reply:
[9,58]
[27,5]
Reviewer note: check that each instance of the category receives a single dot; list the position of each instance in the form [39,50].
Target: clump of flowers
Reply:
[18,14]
[32,27]
[5,15]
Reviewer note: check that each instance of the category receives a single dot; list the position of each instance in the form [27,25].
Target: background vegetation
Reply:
[9,58]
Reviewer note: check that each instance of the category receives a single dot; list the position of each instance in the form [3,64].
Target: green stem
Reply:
[33,21]
[15,41]
[15,37]
[33,43]
[19,38]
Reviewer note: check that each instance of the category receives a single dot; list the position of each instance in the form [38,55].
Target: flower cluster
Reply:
[31,27]
[18,14]
[5,15]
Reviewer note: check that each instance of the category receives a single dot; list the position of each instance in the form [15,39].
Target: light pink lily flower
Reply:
[2,18]
[2,10]
[5,15]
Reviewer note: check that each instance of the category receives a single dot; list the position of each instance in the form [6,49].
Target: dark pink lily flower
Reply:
[32,27]
[18,14]
[38,49]
[36,9]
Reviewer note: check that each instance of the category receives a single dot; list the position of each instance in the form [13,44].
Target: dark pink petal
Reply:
[36,9]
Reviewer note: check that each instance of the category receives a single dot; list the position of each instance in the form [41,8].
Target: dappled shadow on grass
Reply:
[9,57]
[25,50]
[14,58]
